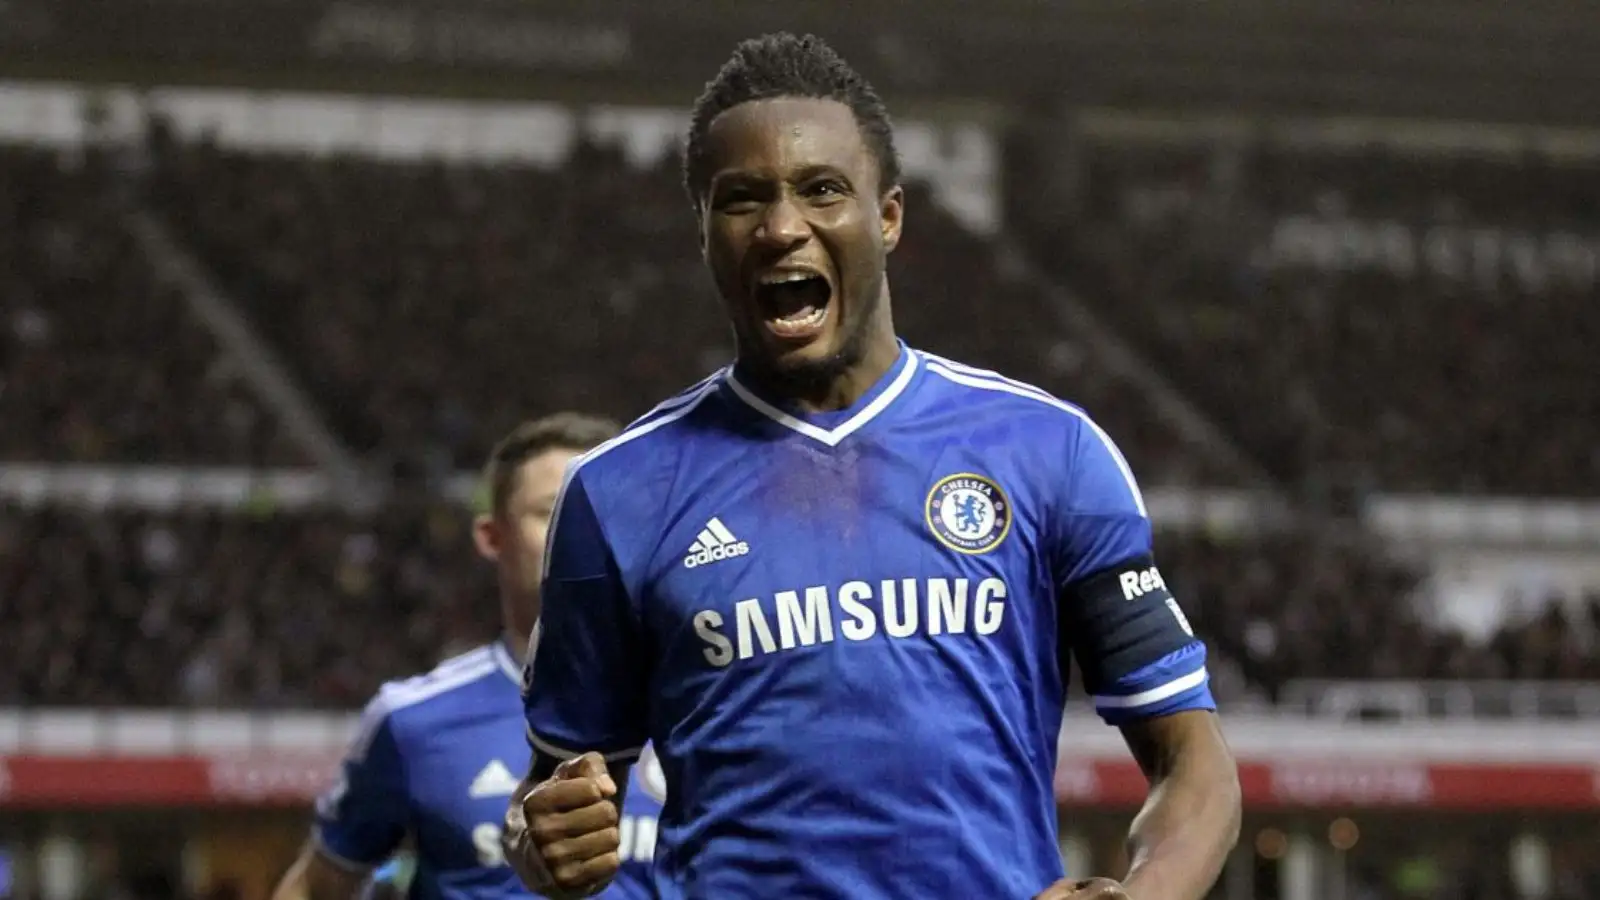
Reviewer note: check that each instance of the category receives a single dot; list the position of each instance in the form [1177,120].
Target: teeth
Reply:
[810,318]
[799,323]
[787,277]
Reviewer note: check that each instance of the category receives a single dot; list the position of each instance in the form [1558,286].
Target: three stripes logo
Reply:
[714,544]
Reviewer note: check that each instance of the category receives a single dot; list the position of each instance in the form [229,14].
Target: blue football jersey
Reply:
[848,634]
[435,760]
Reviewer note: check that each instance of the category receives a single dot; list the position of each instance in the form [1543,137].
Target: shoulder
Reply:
[666,425]
[420,704]
[623,478]
[969,386]
[1056,437]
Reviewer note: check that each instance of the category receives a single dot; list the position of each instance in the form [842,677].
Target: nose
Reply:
[782,224]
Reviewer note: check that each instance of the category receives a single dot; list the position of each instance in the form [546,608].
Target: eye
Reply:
[737,201]
[825,190]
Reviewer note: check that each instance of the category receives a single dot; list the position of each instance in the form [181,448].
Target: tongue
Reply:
[798,315]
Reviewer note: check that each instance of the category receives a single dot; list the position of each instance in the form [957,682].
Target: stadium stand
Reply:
[403,293]
[418,300]
[1359,317]
[426,306]
[272,609]
[246,609]
[99,361]
[1291,605]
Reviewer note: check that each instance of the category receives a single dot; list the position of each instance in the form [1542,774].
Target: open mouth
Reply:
[794,305]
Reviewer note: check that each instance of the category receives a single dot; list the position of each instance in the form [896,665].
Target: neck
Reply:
[514,611]
[835,389]
[850,385]
[516,646]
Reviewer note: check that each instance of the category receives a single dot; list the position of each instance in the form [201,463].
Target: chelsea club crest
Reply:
[968,513]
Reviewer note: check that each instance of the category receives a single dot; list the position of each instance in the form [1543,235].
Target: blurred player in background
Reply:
[436,755]
[391,880]
[839,583]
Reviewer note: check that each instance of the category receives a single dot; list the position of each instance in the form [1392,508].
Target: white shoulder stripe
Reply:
[992,375]
[398,695]
[471,657]
[401,694]
[665,414]
[1006,386]
[689,394]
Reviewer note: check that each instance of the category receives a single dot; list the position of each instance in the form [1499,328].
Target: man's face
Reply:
[796,233]
[513,538]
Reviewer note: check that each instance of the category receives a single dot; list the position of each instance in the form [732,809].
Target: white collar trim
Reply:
[502,658]
[831,437]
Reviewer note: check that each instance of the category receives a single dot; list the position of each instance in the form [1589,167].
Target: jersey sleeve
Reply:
[363,817]
[584,687]
[1133,644]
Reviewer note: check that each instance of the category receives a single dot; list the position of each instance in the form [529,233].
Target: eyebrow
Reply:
[804,173]
[816,170]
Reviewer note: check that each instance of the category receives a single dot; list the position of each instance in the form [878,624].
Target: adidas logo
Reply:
[714,544]
[494,781]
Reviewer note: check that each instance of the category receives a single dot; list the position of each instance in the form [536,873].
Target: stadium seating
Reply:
[1366,319]
[1292,606]
[99,361]
[249,609]
[426,307]
[430,306]
[267,608]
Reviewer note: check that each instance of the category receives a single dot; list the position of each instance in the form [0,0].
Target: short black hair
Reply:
[561,431]
[783,65]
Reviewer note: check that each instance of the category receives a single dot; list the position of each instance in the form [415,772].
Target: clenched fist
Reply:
[561,835]
[1089,889]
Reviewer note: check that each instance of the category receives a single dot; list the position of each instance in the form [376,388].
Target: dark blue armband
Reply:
[1137,652]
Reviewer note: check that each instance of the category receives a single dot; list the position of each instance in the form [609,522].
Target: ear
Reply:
[700,226]
[486,536]
[891,216]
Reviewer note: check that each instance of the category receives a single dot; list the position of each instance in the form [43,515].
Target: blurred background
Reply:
[274,274]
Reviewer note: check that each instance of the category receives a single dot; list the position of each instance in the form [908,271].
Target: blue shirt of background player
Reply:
[388,880]
[436,759]
[848,635]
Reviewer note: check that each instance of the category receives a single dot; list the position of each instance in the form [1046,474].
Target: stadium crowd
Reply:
[1360,318]
[99,360]
[265,608]
[432,305]
[252,609]
[429,305]
[1292,605]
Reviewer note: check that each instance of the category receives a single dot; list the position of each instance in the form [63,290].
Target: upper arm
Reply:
[363,817]
[585,687]
[1138,655]
[1164,745]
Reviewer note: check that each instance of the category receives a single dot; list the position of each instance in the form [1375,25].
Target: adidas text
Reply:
[716,554]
